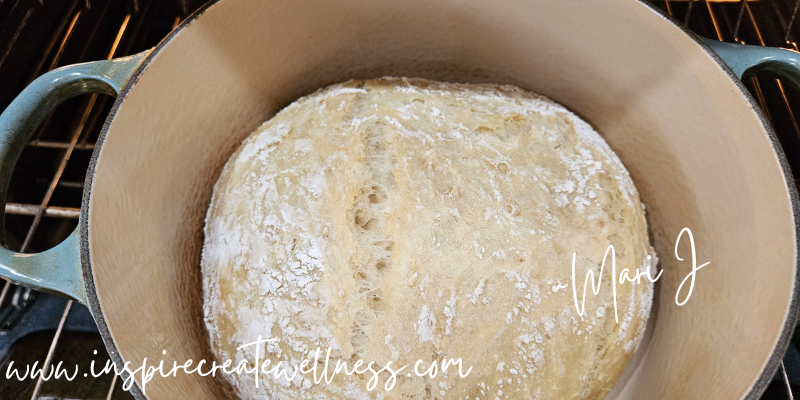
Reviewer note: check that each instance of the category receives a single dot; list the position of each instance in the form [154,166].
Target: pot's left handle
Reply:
[748,60]
[57,270]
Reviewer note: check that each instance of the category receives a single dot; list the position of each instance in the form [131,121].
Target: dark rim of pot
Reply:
[91,294]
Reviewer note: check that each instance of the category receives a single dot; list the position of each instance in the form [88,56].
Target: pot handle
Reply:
[747,60]
[57,270]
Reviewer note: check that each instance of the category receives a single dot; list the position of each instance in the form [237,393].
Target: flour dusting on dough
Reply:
[396,220]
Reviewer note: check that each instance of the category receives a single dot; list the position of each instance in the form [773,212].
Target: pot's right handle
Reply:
[57,270]
[748,60]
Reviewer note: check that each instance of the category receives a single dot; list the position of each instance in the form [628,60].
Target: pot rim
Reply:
[791,319]
[92,300]
[93,303]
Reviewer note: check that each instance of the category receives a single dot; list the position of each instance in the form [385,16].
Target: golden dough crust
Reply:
[403,220]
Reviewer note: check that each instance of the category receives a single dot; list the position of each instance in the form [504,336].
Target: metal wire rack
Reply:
[45,193]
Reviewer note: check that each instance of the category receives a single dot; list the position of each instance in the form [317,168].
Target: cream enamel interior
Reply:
[695,148]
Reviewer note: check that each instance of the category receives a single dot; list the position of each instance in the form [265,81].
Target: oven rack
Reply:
[46,188]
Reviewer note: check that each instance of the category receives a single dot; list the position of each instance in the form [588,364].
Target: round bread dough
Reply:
[405,219]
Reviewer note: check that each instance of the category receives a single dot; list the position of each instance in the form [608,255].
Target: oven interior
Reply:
[46,187]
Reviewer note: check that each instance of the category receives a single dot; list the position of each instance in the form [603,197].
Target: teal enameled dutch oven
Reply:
[669,103]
